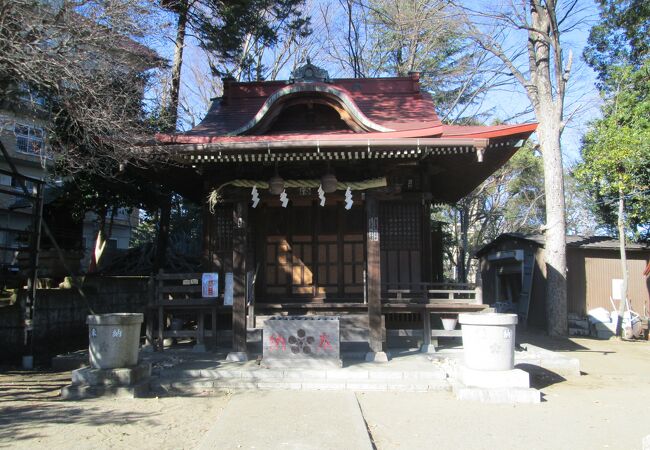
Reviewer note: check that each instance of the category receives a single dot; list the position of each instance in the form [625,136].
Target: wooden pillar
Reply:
[162,237]
[373,270]
[240,218]
[427,249]
[151,302]
[206,248]
[428,344]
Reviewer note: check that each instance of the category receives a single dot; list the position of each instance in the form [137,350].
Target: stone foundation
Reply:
[88,382]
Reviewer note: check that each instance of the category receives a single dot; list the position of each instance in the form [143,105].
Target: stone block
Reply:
[192,384]
[385,375]
[367,386]
[305,374]
[304,364]
[429,348]
[237,357]
[323,386]
[347,374]
[81,392]
[498,395]
[236,385]
[199,348]
[433,374]
[69,362]
[378,357]
[111,377]
[262,374]
[279,386]
[578,332]
[438,385]
[301,339]
[221,373]
[408,387]
[515,378]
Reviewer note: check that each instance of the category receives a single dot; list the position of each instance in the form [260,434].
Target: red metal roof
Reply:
[391,107]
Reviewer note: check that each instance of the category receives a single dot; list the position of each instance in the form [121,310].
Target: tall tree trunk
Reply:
[621,240]
[464,243]
[111,222]
[545,84]
[172,108]
[548,134]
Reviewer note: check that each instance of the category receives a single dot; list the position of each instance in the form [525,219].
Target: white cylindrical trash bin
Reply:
[488,340]
[114,339]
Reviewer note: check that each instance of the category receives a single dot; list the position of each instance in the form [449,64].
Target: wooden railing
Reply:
[434,293]
[180,292]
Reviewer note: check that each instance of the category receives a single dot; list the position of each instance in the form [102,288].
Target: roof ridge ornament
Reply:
[309,73]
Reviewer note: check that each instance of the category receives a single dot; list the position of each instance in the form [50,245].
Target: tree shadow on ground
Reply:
[30,401]
[540,377]
[24,421]
[23,385]
[556,344]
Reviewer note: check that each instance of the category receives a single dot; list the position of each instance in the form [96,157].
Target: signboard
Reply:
[617,289]
[301,340]
[373,229]
[228,290]
[210,285]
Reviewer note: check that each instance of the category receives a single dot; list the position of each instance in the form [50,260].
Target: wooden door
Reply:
[313,253]
[400,225]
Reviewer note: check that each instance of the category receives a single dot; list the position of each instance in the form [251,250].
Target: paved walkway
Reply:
[290,420]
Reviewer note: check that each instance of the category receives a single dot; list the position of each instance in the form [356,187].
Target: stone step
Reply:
[304,375]
[199,386]
[82,391]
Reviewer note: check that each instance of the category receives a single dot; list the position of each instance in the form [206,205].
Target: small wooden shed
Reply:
[514,274]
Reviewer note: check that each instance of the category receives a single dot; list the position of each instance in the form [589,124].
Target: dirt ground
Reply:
[33,416]
[607,407]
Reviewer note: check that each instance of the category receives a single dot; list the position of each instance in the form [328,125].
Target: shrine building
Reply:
[317,197]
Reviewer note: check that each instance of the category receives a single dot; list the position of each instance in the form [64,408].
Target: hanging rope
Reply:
[214,197]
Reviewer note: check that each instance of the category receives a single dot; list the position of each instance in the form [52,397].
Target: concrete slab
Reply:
[559,363]
[494,378]
[299,420]
[498,395]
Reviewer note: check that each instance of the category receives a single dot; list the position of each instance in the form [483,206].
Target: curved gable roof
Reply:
[374,108]
[379,104]
[311,90]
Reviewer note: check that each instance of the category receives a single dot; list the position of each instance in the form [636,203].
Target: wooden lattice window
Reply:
[400,225]
[224,229]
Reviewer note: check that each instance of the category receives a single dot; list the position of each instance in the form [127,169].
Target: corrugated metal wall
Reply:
[590,279]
